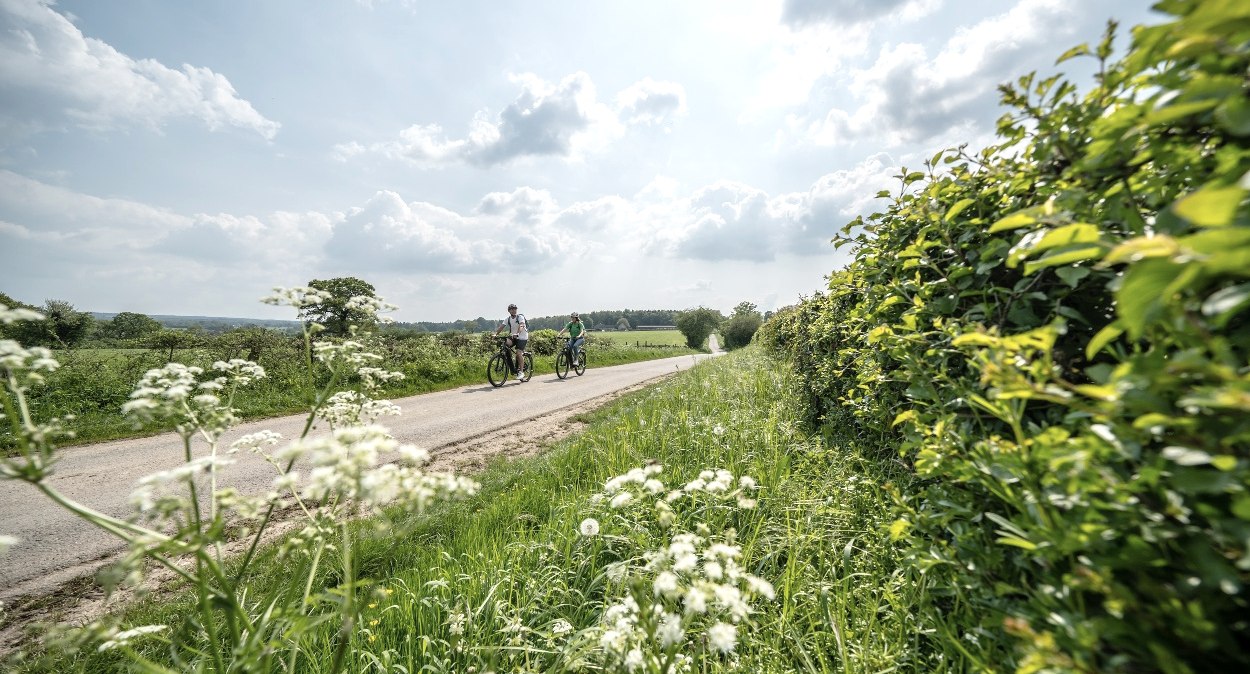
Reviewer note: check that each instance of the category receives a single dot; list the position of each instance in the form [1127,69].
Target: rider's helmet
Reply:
[511,307]
[573,315]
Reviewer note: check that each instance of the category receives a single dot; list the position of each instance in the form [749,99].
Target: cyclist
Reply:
[518,336]
[577,334]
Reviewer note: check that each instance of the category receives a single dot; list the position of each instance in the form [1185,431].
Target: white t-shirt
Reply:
[516,326]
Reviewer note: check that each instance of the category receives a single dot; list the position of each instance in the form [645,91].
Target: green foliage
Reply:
[129,325]
[65,326]
[740,327]
[334,312]
[697,324]
[1054,335]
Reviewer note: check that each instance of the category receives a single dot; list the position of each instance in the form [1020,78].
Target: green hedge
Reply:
[1053,335]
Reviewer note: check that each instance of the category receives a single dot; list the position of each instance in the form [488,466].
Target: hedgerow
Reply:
[1052,335]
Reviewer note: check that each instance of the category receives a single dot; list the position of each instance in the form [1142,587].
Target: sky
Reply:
[186,157]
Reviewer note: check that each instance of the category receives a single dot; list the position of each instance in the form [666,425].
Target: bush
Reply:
[1054,332]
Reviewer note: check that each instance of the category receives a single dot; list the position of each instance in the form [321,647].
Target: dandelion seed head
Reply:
[722,637]
[589,527]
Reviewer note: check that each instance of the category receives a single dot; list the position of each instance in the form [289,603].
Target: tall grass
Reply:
[505,581]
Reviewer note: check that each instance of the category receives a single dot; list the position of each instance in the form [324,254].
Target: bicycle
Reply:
[565,359]
[503,364]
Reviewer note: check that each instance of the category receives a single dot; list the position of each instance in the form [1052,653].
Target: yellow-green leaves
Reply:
[1210,206]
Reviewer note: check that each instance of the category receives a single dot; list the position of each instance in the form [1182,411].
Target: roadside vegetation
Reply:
[1053,336]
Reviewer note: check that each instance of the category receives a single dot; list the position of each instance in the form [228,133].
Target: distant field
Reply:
[641,337]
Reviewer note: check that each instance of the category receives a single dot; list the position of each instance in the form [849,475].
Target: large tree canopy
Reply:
[334,313]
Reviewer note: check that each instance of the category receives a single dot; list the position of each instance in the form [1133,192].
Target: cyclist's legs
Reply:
[574,345]
[520,353]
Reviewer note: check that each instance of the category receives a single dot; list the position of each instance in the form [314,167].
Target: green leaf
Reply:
[1017,542]
[1102,338]
[1141,295]
[1210,206]
[1079,50]
[1171,113]
[1014,221]
[883,194]
[1141,248]
[1224,303]
[957,209]
[898,529]
[1080,232]
[909,415]
[913,177]
[1065,255]
[1224,462]
[1071,275]
[1234,115]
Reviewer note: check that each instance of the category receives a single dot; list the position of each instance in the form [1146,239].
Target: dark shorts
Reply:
[519,343]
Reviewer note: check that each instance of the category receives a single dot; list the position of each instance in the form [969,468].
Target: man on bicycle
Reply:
[518,336]
[577,335]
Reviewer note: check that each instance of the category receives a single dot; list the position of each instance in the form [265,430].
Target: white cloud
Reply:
[47,58]
[650,102]
[908,96]
[564,119]
[844,13]
[731,221]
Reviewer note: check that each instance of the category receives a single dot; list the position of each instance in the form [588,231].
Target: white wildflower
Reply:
[621,500]
[253,442]
[124,638]
[560,627]
[589,527]
[670,631]
[722,637]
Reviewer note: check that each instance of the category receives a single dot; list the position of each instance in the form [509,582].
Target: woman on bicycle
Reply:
[577,334]
[518,336]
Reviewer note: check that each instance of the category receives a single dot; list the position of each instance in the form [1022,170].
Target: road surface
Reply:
[56,546]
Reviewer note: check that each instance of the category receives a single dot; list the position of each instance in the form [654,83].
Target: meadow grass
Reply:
[641,338]
[505,582]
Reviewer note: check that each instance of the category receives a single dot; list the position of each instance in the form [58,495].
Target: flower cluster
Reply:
[692,591]
[372,307]
[299,297]
[160,497]
[175,392]
[347,408]
[25,366]
[345,467]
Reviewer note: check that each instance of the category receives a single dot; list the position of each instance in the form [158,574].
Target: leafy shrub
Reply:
[1054,334]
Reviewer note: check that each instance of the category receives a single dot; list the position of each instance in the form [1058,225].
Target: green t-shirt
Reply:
[575,328]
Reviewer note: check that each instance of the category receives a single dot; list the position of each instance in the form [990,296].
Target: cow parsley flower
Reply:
[722,637]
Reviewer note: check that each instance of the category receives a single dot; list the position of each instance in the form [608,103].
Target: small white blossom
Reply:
[722,637]
[124,638]
[589,527]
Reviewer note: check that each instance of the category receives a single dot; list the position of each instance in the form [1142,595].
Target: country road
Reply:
[55,546]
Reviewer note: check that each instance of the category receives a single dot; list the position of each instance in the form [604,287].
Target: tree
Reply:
[697,324]
[334,313]
[64,326]
[130,325]
[622,324]
[739,328]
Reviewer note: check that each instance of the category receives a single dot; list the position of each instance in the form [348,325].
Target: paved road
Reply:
[57,546]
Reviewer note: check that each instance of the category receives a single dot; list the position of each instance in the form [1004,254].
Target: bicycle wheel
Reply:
[497,371]
[581,362]
[562,364]
[529,367]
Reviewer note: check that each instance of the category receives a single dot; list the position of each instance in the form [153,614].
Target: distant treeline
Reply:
[625,319]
